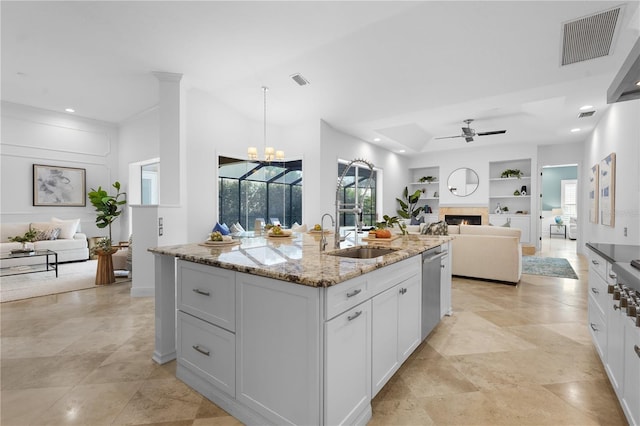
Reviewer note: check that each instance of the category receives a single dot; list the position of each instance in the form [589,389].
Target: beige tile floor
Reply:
[508,356]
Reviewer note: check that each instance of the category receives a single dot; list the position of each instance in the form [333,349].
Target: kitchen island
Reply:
[276,332]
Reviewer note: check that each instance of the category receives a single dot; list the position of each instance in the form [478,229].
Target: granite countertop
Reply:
[298,259]
[616,252]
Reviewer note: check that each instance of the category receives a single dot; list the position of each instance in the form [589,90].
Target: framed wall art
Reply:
[594,213]
[59,186]
[607,183]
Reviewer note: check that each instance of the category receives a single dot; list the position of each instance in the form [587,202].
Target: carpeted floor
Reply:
[71,276]
[548,266]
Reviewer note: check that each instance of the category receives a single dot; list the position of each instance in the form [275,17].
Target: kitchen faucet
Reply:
[323,238]
[356,208]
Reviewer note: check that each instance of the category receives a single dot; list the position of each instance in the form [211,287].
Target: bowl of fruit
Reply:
[216,238]
[278,232]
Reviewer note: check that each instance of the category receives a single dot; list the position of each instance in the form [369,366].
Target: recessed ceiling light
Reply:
[376,139]
[70,110]
[575,130]
[585,107]
[402,151]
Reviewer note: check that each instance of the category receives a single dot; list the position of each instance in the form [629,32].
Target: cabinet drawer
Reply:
[346,295]
[389,276]
[598,264]
[207,351]
[207,293]
[598,291]
[598,329]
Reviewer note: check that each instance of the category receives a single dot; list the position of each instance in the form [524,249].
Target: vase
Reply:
[498,209]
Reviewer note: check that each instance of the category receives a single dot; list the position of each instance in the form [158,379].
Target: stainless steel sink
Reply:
[362,252]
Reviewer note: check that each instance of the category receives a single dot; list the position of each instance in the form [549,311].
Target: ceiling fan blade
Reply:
[469,139]
[450,137]
[495,132]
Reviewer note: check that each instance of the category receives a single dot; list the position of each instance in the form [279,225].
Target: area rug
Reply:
[548,266]
[71,276]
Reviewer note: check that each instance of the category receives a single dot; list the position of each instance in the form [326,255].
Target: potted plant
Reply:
[107,206]
[28,237]
[390,222]
[511,173]
[408,204]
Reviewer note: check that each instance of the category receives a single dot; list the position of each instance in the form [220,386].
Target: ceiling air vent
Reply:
[586,114]
[589,37]
[298,78]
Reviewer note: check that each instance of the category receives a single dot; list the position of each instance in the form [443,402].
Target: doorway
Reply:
[559,208]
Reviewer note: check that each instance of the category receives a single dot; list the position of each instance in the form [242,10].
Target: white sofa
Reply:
[71,245]
[486,252]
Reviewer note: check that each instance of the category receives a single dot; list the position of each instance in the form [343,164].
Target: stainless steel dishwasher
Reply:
[431,269]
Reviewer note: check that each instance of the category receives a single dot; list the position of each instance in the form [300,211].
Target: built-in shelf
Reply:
[501,191]
[430,188]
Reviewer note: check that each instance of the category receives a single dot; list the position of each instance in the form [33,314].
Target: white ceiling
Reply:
[403,72]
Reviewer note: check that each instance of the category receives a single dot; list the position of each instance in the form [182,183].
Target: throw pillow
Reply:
[221,229]
[68,228]
[436,228]
[415,221]
[47,234]
[239,227]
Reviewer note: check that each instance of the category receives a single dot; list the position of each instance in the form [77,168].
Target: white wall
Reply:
[337,145]
[35,136]
[618,131]
[138,141]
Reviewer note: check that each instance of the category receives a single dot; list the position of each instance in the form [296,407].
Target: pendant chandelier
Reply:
[270,153]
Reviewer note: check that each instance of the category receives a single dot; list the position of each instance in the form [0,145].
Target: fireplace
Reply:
[461,219]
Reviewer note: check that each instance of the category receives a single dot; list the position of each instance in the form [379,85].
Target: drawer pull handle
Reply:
[354,316]
[199,349]
[595,290]
[595,262]
[354,292]
[202,292]
[612,275]
[616,307]
[593,327]
[637,349]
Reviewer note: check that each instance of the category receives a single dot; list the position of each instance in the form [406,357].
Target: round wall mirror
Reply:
[462,182]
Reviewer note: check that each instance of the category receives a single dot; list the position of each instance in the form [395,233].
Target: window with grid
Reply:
[569,197]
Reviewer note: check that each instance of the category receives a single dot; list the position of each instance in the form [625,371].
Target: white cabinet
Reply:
[615,345]
[347,386]
[396,329]
[278,345]
[631,399]
[427,179]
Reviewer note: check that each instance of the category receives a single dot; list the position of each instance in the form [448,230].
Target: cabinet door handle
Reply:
[199,349]
[594,290]
[403,290]
[354,316]
[637,349]
[616,307]
[202,292]
[595,262]
[354,292]
[612,275]
[593,327]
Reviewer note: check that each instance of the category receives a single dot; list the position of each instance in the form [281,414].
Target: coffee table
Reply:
[49,263]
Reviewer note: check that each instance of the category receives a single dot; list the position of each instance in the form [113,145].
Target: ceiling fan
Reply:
[468,133]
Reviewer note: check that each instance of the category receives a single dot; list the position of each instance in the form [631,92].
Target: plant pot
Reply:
[104,272]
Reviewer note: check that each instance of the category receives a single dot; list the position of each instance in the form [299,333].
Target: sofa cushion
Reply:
[68,228]
[416,221]
[436,228]
[490,230]
[60,244]
[8,230]
[48,234]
